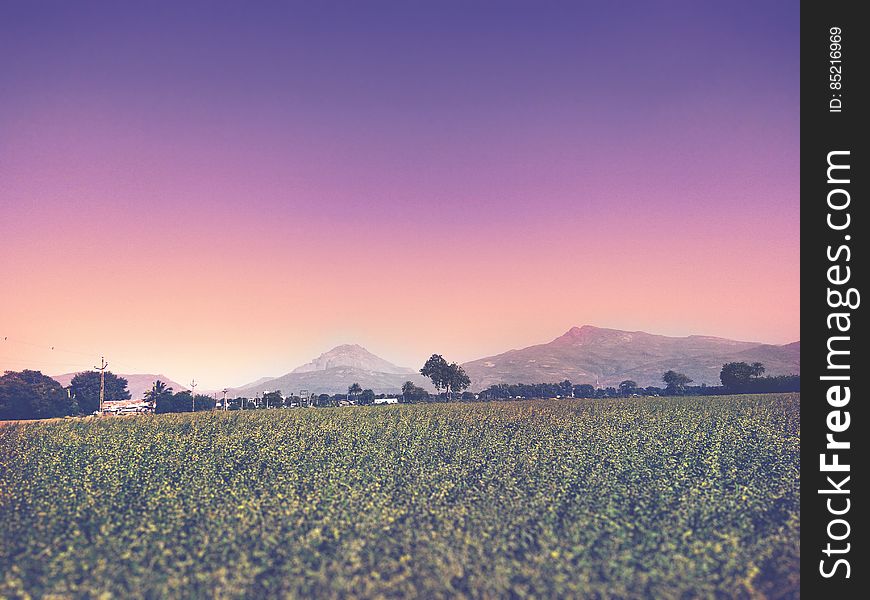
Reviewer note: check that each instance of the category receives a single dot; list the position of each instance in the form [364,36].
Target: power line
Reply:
[53,348]
[47,347]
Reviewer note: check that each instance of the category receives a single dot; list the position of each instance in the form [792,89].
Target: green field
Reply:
[644,497]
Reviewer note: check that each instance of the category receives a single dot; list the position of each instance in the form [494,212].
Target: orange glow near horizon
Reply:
[225,198]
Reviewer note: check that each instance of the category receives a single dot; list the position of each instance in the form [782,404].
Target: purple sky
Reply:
[627,164]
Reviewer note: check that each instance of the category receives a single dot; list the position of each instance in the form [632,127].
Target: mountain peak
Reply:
[351,355]
[581,334]
[333,371]
[575,331]
[347,347]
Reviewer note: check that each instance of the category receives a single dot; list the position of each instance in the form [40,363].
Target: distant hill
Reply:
[137,383]
[334,371]
[607,356]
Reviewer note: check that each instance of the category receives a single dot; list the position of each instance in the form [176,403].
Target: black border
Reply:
[823,131]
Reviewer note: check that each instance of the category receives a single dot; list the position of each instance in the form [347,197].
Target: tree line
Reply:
[735,378]
[31,395]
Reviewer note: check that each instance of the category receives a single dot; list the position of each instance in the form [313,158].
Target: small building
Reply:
[126,407]
[386,400]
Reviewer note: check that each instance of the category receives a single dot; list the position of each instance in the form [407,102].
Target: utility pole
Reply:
[225,399]
[193,395]
[102,369]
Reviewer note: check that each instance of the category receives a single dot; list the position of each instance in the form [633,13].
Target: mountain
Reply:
[137,383]
[334,371]
[607,356]
[355,356]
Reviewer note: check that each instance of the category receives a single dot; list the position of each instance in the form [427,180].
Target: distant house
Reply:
[386,400]
[126,407]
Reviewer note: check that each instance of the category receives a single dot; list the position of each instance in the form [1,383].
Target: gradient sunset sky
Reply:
[223,191]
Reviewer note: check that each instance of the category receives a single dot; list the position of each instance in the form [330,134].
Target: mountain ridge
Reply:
[602,356]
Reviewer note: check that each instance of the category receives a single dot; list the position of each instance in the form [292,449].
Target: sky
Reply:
[225,190]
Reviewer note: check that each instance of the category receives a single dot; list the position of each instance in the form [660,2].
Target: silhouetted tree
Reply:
[627,387]
[273,399]
[158,396]
[457,379]
[584,390]
[85,389]
[367,397]
[437,370]
[741,377]
[675,382]
[353,391]
[31,395]
[413,393]
[203,402]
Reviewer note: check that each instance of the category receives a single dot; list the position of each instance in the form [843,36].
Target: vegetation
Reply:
[449,377]
[353,392]
[160,395]
[85,390]
[183,401]
[675,383]
[32,395]
[739,376]
[367,397]
[656,497]
[413,393]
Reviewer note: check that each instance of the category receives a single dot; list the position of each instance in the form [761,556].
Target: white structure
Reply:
[126,407]
[386,400]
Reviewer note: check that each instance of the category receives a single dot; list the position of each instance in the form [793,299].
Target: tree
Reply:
[436,369]
[273,399]
[159,396]
[449,377]
[203,402]
[323,400]
[85,389]
[457,379]
[627,387]
[739,376]
[367,397]
[584,390]
[31,395]
[566,389]
[413,393]
[675,382]
[353,391]
[182,401]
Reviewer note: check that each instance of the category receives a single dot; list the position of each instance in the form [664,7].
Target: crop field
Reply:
[642,497]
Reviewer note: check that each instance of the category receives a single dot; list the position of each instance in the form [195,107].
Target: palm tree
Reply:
[354,390]
[159,391]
